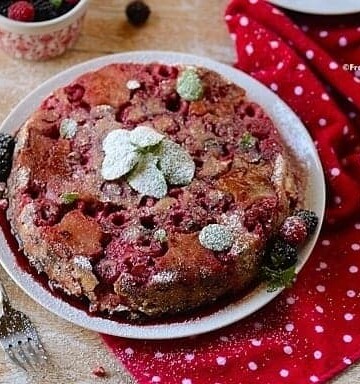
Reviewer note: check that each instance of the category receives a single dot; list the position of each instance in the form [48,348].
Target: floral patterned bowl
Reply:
[42,40]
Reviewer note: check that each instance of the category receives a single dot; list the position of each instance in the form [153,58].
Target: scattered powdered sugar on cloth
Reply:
[310,332]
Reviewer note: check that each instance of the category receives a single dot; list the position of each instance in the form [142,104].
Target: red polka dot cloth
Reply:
[311,332]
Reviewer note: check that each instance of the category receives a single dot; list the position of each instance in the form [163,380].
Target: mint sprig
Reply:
[277,279]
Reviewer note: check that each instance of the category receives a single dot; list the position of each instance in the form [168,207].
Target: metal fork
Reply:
[18,337]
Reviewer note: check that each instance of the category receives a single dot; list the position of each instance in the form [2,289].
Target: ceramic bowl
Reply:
[42,40]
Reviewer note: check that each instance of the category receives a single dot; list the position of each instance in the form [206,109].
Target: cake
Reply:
[151,189]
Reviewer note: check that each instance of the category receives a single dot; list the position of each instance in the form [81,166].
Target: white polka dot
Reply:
[325,96]
[319,309]
[337,200]
[323,265]
[320,288]
[289,327]
[129,351]
[350,99]
[249,49]
[305,28]
[347,339]
[317,355]
[274,87]
[348,316]
[253,1]
[288,350]
[224,338]
[233,36]
[298,90]
[275,11]
[255,342]
[343,41]
[155,379]
[356,80]
[347,361]
[323,33]
[352,115]
[159,355]
[322,122]
[228,17]
[243,21]
[252,366]
[301,67]
[335,171]
[355,247]
[325,243]
[357,226]
[314,379]
[280,65]
[350,293]
[309,54]
[290,300]
[189,357]
[353,269]
[319,329]
[333,65]
[221,360]
[284,373]
[345,130]
[274,44]
[186,381]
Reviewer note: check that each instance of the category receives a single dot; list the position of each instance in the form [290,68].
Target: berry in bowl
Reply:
[40,29]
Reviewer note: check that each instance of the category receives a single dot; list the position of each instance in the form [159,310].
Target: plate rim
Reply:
[316,8]
[216,320]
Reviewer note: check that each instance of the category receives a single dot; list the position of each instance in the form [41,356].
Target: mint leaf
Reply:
[247,141]
[69,197]
[277,279]
[56,3]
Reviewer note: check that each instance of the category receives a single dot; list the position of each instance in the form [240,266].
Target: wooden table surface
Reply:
[193,26]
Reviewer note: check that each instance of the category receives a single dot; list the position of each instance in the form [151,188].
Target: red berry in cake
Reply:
[99,371]
[21,11]
[294,230]
[137,12]
[6,151]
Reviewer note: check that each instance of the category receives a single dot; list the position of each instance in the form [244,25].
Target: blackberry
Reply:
[4,5]
[44,10]
[137,12]
[7,144]
[310,218]
[281,255]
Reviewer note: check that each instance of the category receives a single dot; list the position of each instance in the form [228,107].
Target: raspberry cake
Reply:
[153,189]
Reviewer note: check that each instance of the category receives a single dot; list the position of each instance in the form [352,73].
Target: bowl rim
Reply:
[35,26]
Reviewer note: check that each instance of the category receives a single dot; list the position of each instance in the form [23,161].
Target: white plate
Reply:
[320,7]
[292,131]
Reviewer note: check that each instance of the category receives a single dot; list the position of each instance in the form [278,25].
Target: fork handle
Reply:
[4,300]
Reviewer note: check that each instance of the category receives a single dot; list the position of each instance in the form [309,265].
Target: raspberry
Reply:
[269,148]
[137,12]
[21,11]
[293,230]
[7,145]
[281,255]
[260,212]
[310,218]
[99,371]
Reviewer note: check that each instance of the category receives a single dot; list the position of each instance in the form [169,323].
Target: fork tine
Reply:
[25,358]
[39,349]
[10,353]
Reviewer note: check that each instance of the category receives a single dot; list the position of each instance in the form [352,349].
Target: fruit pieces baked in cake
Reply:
[155,189]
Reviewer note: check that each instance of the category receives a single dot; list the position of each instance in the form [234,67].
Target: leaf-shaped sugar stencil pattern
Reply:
[147,179]
[115,139]
[175,163]
[118,163]
[68,128]
[144,136]
[216,237]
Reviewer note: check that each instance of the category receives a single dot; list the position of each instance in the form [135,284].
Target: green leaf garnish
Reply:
[247,141]
[56,3]
[69,197]
[189,85]
[277,279]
